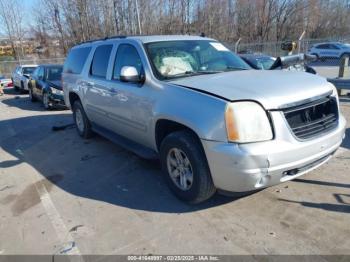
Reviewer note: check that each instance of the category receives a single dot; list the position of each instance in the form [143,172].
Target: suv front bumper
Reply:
[251,166]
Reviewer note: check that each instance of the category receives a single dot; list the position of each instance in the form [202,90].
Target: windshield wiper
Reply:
[233,68]
[192,73]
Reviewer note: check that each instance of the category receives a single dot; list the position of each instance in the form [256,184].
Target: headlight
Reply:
[56,91]
[247,122]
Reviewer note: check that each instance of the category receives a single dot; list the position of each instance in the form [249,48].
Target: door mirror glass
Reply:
[129,74]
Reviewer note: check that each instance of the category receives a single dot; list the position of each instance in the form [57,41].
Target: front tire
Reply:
[46,101]
[81,121]
[185,167]
[31,96]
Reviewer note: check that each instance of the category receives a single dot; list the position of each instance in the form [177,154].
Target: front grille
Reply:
[314,118]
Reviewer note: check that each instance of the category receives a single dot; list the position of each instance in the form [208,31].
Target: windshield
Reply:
[28,70]
[54,73]
[344,45]
[264,62]
[173,59]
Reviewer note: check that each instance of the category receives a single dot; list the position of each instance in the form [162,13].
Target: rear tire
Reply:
[198,185]
[317,56]
[81,121]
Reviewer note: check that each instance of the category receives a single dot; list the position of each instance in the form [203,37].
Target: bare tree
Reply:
[11,17]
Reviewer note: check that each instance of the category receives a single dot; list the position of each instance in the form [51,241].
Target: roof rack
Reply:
[102,39]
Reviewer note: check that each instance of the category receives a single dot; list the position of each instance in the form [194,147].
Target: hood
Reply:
[273,89]
[56,84]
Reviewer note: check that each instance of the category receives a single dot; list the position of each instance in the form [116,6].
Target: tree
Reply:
[11,18]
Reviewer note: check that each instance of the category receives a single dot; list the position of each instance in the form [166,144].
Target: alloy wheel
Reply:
[180,169]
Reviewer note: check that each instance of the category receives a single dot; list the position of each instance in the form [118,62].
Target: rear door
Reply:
[39,82]
[34,78]
[98,94]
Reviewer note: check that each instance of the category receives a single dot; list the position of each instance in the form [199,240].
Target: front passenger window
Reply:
[127,55]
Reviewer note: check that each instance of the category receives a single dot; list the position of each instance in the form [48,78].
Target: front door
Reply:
[131,110]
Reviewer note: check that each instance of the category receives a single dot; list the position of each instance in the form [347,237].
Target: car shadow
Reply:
[346,141]
[324,206]
[22,101]
[342,199]
[321,183]
[94,169]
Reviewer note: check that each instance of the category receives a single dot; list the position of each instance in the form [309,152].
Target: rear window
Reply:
[99,63]
[76,59]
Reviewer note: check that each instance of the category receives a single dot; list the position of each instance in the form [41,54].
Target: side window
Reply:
[41,73]
[324,46]
[127,55]
[99,63]
[334,47]
[36,72]
[76,59]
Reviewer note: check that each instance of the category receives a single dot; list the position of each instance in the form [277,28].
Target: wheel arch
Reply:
[73,96]
[165,126]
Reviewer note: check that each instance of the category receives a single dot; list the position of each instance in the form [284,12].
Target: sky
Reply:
[27,6]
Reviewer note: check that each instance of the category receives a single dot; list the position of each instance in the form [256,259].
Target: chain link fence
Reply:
[7,67]
[328,62]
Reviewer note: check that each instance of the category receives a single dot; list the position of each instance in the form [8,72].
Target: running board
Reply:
[124,142]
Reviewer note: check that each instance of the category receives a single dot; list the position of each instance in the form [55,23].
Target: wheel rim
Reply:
[180,169]
[79,120]
[46,100]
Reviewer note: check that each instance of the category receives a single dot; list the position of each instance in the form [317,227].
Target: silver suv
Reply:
[214,123]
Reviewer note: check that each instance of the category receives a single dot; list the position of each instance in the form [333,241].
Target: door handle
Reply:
[90,84]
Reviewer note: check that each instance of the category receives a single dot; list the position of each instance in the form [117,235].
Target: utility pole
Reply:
[138,16]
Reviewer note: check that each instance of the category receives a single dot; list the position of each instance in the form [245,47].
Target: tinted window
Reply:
[127,55]
[28,70]
[99,63]
[334,47]
[76,59]
[41,73]
[36,71]
[325,46]
[54,73]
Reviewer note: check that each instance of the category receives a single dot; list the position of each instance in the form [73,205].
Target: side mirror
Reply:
[129,74]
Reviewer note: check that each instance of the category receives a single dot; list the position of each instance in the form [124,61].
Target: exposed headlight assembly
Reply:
[247,122]
[56,91]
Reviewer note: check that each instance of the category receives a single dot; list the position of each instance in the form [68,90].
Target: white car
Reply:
[5,82]
[330,50]
[20,76]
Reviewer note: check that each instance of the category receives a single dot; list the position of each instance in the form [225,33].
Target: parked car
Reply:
[214,123]
[330,50]
[266,62]
[45,85]
[20,76]
[5,82]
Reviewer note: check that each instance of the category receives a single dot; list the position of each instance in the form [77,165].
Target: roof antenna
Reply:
[202,34]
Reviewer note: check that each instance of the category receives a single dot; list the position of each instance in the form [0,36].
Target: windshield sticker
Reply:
[219,46]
